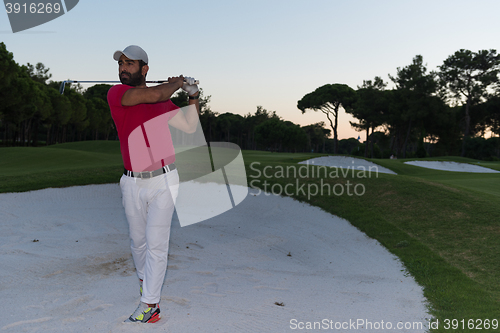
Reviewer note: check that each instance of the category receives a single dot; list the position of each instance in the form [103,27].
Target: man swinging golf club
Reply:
[149,189]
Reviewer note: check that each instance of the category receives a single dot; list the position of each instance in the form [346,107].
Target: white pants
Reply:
[149,205]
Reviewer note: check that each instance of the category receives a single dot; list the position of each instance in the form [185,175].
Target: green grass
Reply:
[488,183]
[80,163]
[106,147]
[444,226]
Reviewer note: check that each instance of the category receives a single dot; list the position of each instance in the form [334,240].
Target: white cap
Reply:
[132,52]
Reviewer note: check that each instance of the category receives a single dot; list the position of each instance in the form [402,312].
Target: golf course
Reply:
[443,226]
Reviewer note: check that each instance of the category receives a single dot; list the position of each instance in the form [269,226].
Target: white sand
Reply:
[224,275]
[348,163]
[451,166]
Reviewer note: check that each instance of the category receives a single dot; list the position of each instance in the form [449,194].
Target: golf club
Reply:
[63,84]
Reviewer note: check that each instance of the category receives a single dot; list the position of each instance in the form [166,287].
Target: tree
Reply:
[60,116]
[9,71]
[468,75]
[271,133]
[492,107]
[98,117]
[316,135]
[294,137]
[229,125]
[251,121]
[329,99]
[181,98]
[98,114]
[348,146]
[370,107]
[27,104]
[39,102]
[38,73]
[413,97]
[78,120]
[98,91]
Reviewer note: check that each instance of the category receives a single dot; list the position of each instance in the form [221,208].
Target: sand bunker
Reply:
[267,265]
[451,166]
[348,163]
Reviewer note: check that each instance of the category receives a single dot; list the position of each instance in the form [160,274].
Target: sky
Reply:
[258,53]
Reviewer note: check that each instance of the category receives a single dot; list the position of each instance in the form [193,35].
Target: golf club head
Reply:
[61,87]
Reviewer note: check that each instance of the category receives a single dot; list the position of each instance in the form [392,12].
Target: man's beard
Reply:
[134,80]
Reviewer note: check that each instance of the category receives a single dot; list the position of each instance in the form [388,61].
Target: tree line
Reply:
[444,112]
[450,109]
[32,110]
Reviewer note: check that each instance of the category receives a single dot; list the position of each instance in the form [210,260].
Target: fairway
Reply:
[79,163]
[488,183]
[485,183]
[20,161]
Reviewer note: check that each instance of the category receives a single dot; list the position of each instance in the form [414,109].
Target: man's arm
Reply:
[187,121]
[159,93]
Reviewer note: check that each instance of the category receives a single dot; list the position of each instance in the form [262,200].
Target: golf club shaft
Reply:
[63,84]
[78,81]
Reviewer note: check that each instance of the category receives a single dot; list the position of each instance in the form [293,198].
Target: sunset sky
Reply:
[249,53]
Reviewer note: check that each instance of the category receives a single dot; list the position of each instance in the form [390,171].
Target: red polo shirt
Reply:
[145,140]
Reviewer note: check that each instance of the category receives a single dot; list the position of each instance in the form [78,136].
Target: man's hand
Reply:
[179,80]
[189,86]
[188,119]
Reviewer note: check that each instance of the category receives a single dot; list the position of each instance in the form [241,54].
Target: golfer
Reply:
[150,181]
